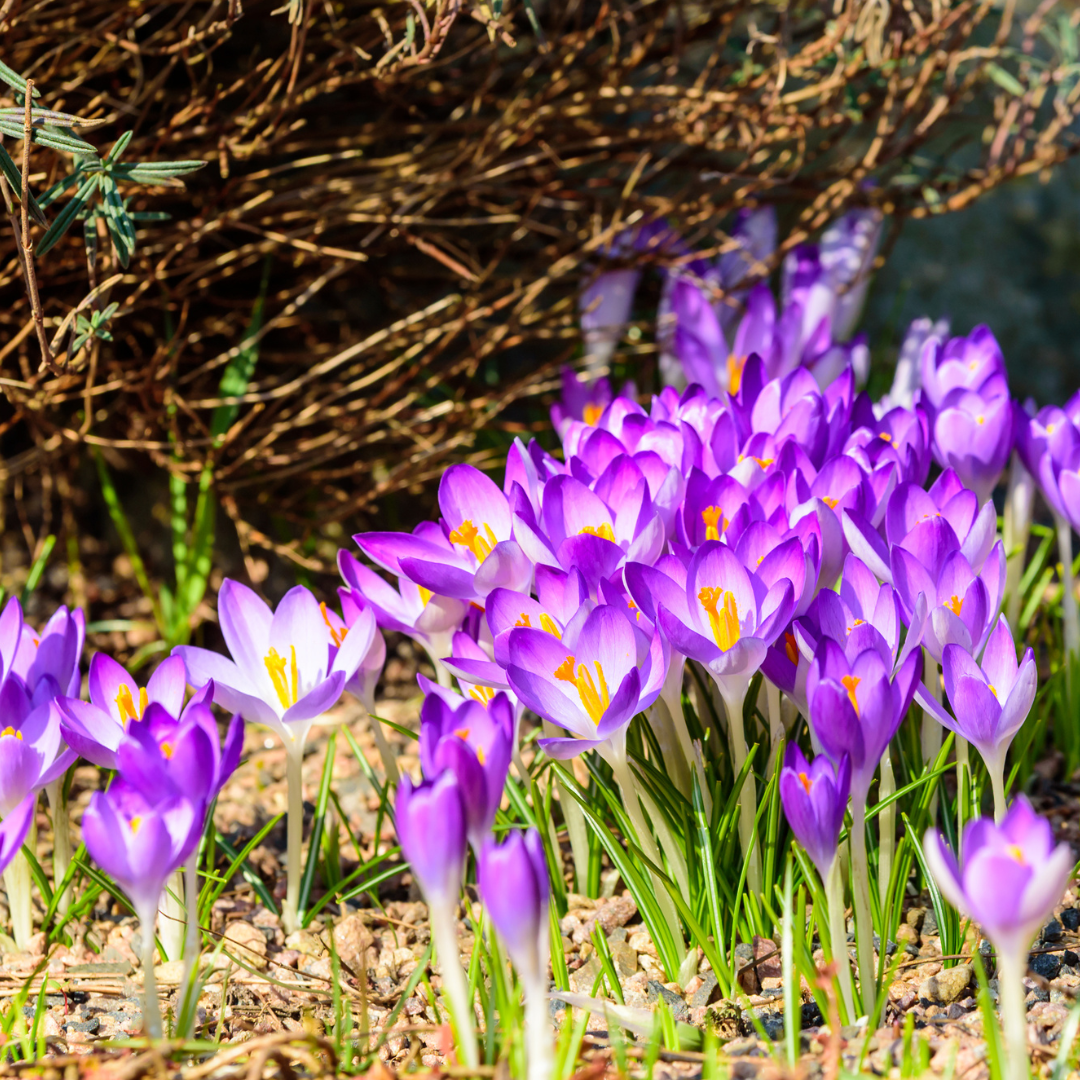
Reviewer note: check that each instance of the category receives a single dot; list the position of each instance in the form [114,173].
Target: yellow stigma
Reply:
[1015,852]
[523,620]
[603,531]
[548,623]
[126,706]
[11,731]
[791,648]
[993,689]
[850,682]
[886,436]
[723,612]
[468,535]
[980,419]
[286,688]
[715,524]
[337,635]
[594,698]
[735,365]
[483,694]
[830,502]
[462,733]
[134,823]
[425,594]
[592,413]
[806,782]
[167,749]
[954,604]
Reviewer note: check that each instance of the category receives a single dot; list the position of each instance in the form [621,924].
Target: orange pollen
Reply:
[850,682]
[11,731]
[723,612]
[806,782]
[604,531]
[469,536]
[167,750]
[483,694]
[955,604]
[764,462]
[1016,853]
[462,733]
[126,706]
[857,622]
[594,696]
[523,620]
[886,436]
[338,636]
[830,502]
[980,419]
[791,648]
[735,365]
[715,524]
[592,413]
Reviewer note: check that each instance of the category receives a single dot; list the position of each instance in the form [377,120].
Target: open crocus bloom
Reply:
[1012,875]
[357,614]
[472,554]
[614,673]
[94,728]
[286,669]
[51,657]
[30,743]
[990,699]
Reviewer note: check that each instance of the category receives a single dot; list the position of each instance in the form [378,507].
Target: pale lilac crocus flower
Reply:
[286,670]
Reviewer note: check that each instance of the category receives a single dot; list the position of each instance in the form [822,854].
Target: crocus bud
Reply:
[430,822]
[515,888]
[815,798]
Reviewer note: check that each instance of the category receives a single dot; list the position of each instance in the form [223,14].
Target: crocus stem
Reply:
[886,823]
[1011,971]
[171,907]
[454,980]
[151,1006]
[672,698]
[834,895]
[733,704]
[1068,600]
[675,857]
[17,883]
[389,760]
[931,729]
[864,923]
[963,769]
[192,936]
[673,758]
[776,724]
[294,762]
[996,769]
[644,837]
[1018,503]
[537,1032]
[576,828]
[58,807]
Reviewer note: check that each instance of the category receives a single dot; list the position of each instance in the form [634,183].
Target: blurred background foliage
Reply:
[376,271]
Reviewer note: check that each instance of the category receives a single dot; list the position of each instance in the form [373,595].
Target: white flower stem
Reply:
[574,816]
[1011,994]
[644,837]
[864,922]
[189,991]
[1017,527]
[1068,600]
[58,807]
[834,895]
[733,704]
[17,883]
[672,698]
[171,909]
[996,769]
[886,823]
[294,762]
[931,729]
[776,724]
[382,744]
[672,757]
[537,1032]
[151,1006]
[455,981]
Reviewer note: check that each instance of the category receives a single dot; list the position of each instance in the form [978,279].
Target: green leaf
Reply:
[1007,81]
[14,178]
[67,217]
[118,148]
[38,568]
[53,138]
[121,227]
[154,172]
[317,828]
[15,80]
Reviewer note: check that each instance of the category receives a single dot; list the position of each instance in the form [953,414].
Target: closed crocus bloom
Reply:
[990,699]
[515,889]
[1009,881]
[94,728]
[815,798]
[973,434]
[475,744]
[431,828]
[50,657]
[581,399]
[974,363]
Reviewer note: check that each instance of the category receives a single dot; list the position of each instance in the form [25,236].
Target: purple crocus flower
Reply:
[847,251]
[30,743]
[516,890]
[581,400]
[50,658]
[1011,879]
[815,799]
[95,728]
[973,434]
[14,830]
[614,673]
[140,842]
[990,699]
[472,554]
[474,743]
[286,668]
[972,363]
[431,827]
